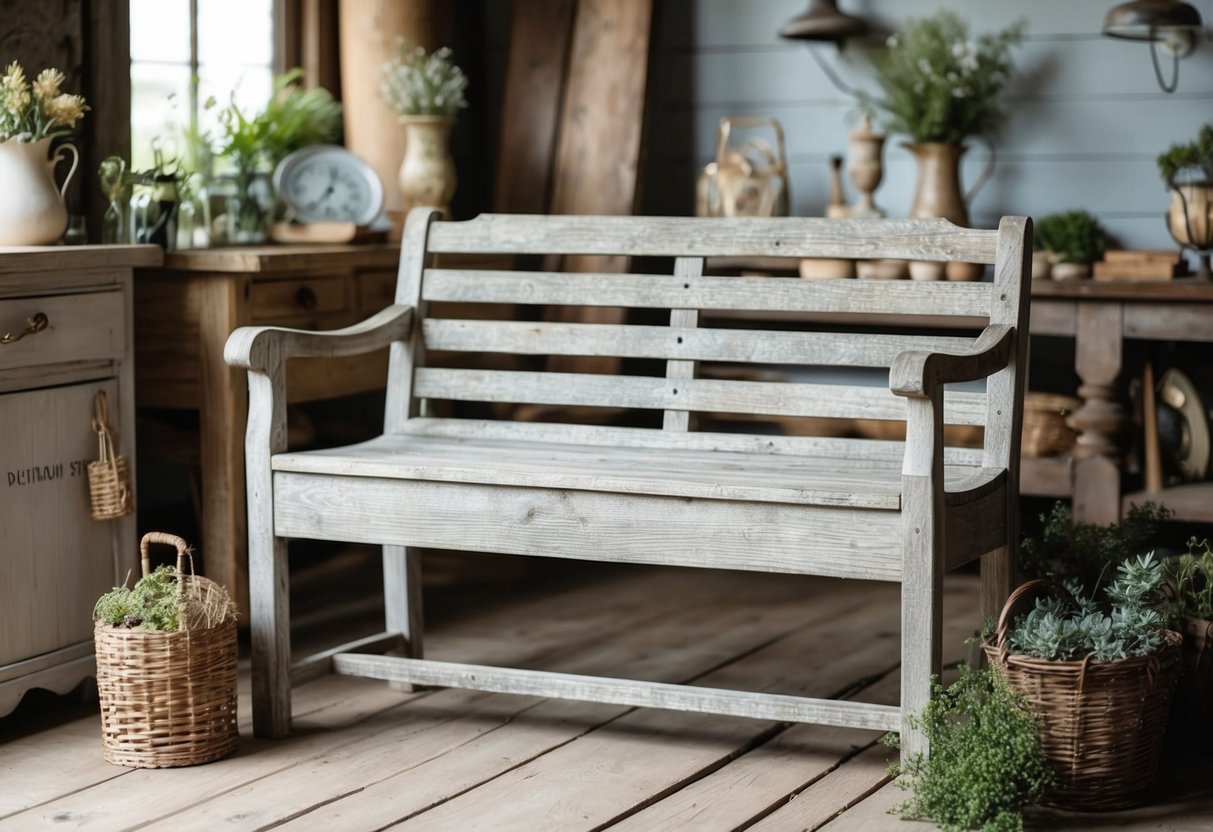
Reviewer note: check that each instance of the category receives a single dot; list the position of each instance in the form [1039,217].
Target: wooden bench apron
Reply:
[665,494]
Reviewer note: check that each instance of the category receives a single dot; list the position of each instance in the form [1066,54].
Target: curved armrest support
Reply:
[265,347]
[919,374]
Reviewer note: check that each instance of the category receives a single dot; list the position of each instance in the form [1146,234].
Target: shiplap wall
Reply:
[1086,117]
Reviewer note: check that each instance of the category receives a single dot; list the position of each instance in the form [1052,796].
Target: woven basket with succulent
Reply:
[1101,676]
[166,666]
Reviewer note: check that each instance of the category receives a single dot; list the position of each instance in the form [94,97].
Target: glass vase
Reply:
[248,206]
[115,224]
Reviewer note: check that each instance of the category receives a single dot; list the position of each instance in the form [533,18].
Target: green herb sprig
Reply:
[986,763]
[1191,576]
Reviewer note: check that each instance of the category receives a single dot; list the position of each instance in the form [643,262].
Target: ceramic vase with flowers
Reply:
[32,116]
[426,91]
[942,87]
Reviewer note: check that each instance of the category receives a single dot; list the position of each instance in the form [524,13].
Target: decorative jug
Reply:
[427,172]
[32,212]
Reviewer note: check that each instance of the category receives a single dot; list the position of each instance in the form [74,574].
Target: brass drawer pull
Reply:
[33,326]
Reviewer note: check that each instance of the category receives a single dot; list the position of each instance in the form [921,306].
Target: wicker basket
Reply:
[109,477]
[1103,722]
[1045,432]
[167,699]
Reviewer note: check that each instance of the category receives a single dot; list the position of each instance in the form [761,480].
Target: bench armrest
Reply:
[917,374]
[265,347]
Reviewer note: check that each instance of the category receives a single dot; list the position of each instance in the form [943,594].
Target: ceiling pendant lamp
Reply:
[1176,25]
[823,22]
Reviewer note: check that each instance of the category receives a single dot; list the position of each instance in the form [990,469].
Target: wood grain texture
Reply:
[535,74]
[704,293]
[621,691]
[725,396]
[847,542]
[932,239]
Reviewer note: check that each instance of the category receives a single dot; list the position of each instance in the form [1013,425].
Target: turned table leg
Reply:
[1101,417]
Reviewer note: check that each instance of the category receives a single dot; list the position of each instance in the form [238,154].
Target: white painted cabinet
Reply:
[55,560]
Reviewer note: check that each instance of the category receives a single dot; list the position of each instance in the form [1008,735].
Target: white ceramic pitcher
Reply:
[32,212]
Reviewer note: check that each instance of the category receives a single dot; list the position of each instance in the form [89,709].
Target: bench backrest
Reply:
[674,337]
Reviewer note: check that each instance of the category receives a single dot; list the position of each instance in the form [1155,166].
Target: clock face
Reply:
[327,183]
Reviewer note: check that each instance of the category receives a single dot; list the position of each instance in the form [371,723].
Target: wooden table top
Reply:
[282,258]
[55,258]
[1184,289]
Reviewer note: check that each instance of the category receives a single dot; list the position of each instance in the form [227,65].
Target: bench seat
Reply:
[671,472]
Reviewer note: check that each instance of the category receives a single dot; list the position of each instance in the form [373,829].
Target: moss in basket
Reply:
[1191,577]
[1130,623]
[986,763]
[1085,552]
[152,605]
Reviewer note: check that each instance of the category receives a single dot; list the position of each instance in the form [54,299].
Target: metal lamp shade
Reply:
[823,22]
[1148,20]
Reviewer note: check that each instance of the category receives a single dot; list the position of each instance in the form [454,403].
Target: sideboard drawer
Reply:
[56,559]
[284,300]
[89,326]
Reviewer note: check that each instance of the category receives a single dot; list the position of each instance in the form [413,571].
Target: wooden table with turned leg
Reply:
[1101,317]
[184,312]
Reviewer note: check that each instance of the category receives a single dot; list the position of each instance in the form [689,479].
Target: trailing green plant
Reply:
[1130,623]
[986,763]
[1087,553]
[1191,578]
[1189,163]
[154,603]
[1074,235]
[939,84]
[418,84]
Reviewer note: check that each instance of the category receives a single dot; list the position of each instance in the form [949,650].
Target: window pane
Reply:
[160,104]
[250,84]
[235,32]
[160,30]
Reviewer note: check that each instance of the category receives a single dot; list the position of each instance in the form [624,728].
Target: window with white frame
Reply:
[184,52]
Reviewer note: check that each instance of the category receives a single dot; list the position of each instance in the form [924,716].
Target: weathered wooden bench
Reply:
[665,494]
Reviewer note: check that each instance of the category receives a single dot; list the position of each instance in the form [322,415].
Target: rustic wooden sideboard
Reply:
[65,334]
[1100,317]
[184,312]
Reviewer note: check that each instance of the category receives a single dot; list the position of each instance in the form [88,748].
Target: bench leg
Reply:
[270,629]
[921,616]
[402,600]
[996,579]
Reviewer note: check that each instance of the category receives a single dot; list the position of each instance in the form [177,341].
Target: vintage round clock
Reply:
[327,183]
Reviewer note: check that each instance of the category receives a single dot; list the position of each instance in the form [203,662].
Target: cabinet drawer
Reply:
[90,326]
[56,559]
[279,300]
[376,291]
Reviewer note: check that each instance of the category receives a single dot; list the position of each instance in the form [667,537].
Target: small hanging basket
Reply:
[109,478]
[169,698]
[1102,722]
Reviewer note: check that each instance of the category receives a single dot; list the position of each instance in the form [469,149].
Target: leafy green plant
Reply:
[1059,629]
[1087,553]
[1191,577]
[939,84]
[1189,163]
[1075,235]
[417,84]
[153,604]
[986,761]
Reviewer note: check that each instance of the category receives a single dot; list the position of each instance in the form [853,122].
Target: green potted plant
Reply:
[426,91]
[1100,673]
[942,87]
[250,145]
[1191,578]
[986,763]
[1188,171]
[1088,553]
[1075,240]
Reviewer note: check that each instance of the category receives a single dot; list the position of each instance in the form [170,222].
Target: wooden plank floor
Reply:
[365,757]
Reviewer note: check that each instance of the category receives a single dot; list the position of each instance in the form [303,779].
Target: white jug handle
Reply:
[75,163]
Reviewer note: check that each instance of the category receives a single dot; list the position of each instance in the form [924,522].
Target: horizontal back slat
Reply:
[680,343]
[855,451]
[890,297]
[697,395]
[931,239]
